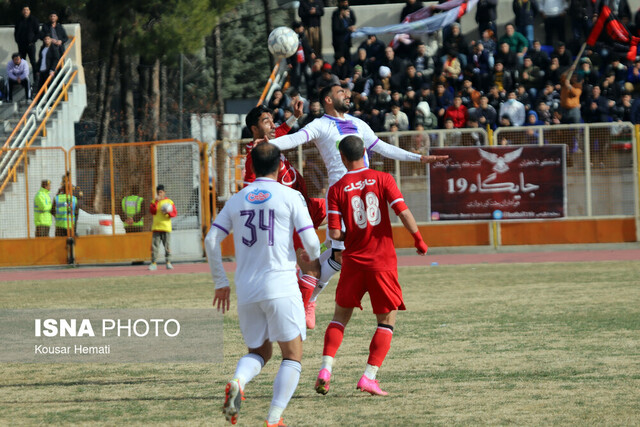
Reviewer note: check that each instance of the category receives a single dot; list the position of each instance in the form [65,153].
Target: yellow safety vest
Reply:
[42,208]
[132,205]
[65,209]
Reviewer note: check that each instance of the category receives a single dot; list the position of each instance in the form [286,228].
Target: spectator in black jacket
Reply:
[310,12]
[582,13]
[485,113]
[300,63]
[374,53]
[56,31]
[410,7]
[508,57]
[621,111]
[596,108]
[409,79]
[486,15]
[455,45]
[47,62]
[343,23]
[526,11]
[538,56]
[395,64]
[26,34]
[565,58]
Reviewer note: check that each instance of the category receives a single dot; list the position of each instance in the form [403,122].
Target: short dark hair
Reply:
[254,115]
[160,187]
[14,55]
[326,91]
[266,159]
[352,148]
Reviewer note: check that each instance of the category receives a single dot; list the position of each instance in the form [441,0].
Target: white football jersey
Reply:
[263,216]
[326,132]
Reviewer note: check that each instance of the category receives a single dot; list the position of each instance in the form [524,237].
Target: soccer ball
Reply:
[167,208]
[283,42]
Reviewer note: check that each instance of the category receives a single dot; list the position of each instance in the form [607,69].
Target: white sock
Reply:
[248,367]
[327,363]
[275,413]
[328,268]
[371,371]
[283,388]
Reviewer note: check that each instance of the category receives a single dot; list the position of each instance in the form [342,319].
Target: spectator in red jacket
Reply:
[457,112]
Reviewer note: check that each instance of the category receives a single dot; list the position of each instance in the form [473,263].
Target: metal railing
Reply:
[602,171]
[37,114]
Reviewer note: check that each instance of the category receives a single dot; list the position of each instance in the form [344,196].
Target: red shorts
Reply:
[317,210]
[383,287]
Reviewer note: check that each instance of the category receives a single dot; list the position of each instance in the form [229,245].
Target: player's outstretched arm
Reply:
[409,223]
[392,152]
[212,242]
[432,159]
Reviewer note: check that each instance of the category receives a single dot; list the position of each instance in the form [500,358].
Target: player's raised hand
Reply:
[222,298]
[432,159]
[298,108]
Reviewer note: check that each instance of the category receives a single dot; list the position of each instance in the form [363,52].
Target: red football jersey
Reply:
[287,175]
[360,199]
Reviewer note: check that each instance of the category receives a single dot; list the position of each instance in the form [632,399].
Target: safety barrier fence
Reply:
[601,175]
[100,176]
[601,164]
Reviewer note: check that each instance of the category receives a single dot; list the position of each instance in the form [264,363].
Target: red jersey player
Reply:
[262,118]
[369,264]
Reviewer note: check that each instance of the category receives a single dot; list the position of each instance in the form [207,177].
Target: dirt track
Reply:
[406,260]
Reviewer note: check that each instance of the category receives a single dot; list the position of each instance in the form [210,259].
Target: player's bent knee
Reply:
[265,351]
[292,350]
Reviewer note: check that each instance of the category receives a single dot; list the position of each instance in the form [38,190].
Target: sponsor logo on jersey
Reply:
[258,196]
[359,185]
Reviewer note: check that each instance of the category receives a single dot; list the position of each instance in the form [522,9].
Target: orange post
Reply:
[113,197]
[272,78]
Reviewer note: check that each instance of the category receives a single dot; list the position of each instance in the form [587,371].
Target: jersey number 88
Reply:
[367,211]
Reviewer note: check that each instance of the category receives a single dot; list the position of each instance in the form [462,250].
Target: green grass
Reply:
[519,344]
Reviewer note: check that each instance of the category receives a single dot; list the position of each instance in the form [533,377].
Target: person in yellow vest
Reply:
[42,209]
[65,209]
[133,214]
[162,209]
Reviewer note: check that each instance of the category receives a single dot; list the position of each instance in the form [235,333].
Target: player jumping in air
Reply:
[260,122]
[326,132]
[359,200]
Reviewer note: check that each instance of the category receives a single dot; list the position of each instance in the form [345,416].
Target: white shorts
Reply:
[278,319]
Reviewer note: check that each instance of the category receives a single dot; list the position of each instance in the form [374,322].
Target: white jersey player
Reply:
[326,132]
[263,216]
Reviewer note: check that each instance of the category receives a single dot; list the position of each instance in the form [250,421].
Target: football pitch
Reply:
[518,344]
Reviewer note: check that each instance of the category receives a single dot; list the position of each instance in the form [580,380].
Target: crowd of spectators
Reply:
[495,77]
[27,32]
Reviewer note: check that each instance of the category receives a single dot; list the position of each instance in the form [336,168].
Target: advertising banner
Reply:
[503,182]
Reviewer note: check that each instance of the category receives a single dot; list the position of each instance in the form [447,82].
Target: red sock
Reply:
[306,284]
[333,338]
[380,345]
